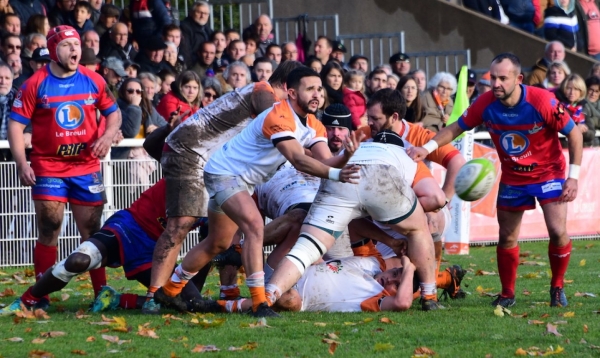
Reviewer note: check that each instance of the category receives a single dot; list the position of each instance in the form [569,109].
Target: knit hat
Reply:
[337,115]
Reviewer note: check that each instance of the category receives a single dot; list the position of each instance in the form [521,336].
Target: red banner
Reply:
[583,213]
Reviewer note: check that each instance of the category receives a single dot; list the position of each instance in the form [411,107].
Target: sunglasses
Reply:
[210,95]
[132,91]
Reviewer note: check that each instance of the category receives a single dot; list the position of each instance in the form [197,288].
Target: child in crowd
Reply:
[354,97]
[80,17]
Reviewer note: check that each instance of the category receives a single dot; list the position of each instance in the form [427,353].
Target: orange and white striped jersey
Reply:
[252,154]
[415,135]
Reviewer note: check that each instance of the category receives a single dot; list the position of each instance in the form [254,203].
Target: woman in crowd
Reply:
[437,102]
[393,80]
[593,99]
[572,93]
[218,38]
[332,76]
[37,23]
[410,90]
[166,78]
[185,96]
[314,63]
[171,59]
[212,90]
[237,75]
[557,72]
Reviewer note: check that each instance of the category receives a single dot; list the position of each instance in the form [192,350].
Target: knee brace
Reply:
[86,248]
[306,251]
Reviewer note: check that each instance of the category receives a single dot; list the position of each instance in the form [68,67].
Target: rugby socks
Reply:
[428,291]
[230,292]
[273,293]
[98,277]
[44,257]
[128,301]
[231,306]
[178,280]
[443,280]
[559,261]
[256,284]
[28,299]
[151,291]
[508,262]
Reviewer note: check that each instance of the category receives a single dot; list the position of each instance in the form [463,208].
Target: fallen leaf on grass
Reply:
[90,339]
[349,324]
[40,313]
[7,293]
[114,339]
[582,262]
[385,320]
[382,347]
[332,336]
[78,352]
[522,315]
[320,324]
[261,322]
[332,348]
[582,341]
[567,314]
[556,323]
[201,349]
[14,339]
[423,352]
[501,311]
[550,328]
[179,339]
[205,323]
[246,347]
[38,340]
[64,296]
[52,334]
[545,315]
[568,282]
[532,275]
[584,294]
[170,316]
[367,320]
[101,323]
[484,273]
[81,314]
[585,328]
[535,321]
[526,292]
[85,286]
[28,329]
[40,354]
[146,332]
[594,347]
[19,279]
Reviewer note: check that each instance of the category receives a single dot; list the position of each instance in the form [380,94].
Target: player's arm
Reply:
[452,168]
[360,229]
[102,145]
[321,152]
[17,148]
[294,153]
[575,144]
[403,298]
[443,137]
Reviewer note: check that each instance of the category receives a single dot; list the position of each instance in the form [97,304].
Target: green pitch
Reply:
[467,328]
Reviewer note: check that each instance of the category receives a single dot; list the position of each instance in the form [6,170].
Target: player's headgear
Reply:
[337,115]
[388,136]
[58,34]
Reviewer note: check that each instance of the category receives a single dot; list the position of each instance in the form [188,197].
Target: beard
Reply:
[305,106]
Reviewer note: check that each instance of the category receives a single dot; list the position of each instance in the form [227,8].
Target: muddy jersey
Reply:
[209,128]
[390,154]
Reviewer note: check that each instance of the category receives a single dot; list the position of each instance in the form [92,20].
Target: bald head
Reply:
[263,27]
[119,34]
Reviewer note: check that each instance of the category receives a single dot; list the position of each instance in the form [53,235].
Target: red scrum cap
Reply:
[56,35]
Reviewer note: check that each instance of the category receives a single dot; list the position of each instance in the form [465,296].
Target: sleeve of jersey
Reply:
[556,116]
[472,116]
[106,101]
[24,103]
[373,304]
[422,173]
[278,126]
[320,132]
[419,136]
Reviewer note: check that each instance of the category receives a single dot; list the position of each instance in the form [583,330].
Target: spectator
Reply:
[520,14]
[171,60]
[557,72]
[332,76]
[421,78]
[484,85]
[377,80]
[39,59]
[595,70]
[410,91]
[593,96]
[11,24]
[32,41]
[150,58]
[205,64]
[323,49]
[231,35]
[7,95]
[359,62]
[274,53]
[218,38]
[235,51]
[400,63]
[11,44]
[131,68]
[148,17]
[79,18]
[471,82]
[185,95]
[251,40]
[392,81]
[166,78]
[89,59]
[173,33]
[37,23]
[487,7]
[115,43]
[554,51]
[314,63]
[437,101]
[560,24]
[338,52]
[354,96]
[109,16]
[91,40]
[27,8]
[150,86]
[572,93]
[237,75]
[5,8]
[196,30]
[96,8]
[113,72]
[289,52]
[61,12]
[212,90]
[262,27]
[588,19]
[262,69]
[14,62]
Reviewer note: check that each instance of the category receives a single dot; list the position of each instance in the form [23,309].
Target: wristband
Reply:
[574,171]
[334,174]
[431,146]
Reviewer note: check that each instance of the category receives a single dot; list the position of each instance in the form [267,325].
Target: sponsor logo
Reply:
[551,187]
[335,266]
[66,85]
[330,219]
[514,143]
[45,101]
[69,115]
[70,150]
[90,100]
[510,115]
[96,178]
[524,168]
[17,103]
[535,129]
[95,189]
[19,94]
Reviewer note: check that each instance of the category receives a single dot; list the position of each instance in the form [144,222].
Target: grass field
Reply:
[467,328]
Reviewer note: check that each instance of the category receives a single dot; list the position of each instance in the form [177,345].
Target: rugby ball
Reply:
[475,179]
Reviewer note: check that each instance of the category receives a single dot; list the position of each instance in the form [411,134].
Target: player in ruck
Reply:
[524,123]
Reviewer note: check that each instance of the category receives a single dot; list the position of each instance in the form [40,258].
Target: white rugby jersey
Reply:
[252,155]
[380,153]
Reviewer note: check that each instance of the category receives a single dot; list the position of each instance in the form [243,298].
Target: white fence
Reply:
[434,62]
[249,10]
[377,47]
[288,28]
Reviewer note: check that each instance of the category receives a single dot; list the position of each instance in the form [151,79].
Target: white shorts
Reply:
[382,193]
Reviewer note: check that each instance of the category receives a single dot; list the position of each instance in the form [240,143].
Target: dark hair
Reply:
[35,24]
[293,79]
[201,48]
[166,72]
[214,35]
[416,106]
[250,36]
[330,66]
[9,35]
[169,28]
[233,43]
[184,78]
[145,104]
[377,71]
[335,95]
[310,60]
[592,81]
[83,4]
[263,60]
[391,102]
[230,31]
[511,57]
[282,72]
[329,42]
[7,16]
[272,46]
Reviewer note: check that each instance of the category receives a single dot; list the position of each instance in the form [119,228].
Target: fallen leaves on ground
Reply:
[485,291]
[320,324]
[532,275]
[78,352]
[582,262]
[526,292]
[31,314]
[38,341]
[522,315]
[584,294]
[81,314]
[386,320]
[52,334]
[201,348]
[382,347]
[550,328]
[501,311]
[424,352]
[7,293]
[535,321]
[485,273]
[14,339]
[260,323]
[114,339]
[173,317]
[90,339]
[585,328]
[532,263]
[37,353]
[146,331]
[536,351]
[567,314]
[205,323]
[179,339]
[246,347]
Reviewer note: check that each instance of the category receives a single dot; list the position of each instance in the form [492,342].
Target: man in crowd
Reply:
[91,39]
[274,53]
[377,80]
[554,51]
[263,68]
[289,52]
[338,52]
[359,62]
[323,49]
[196,30]
[116,43]
[400,63]
[206,59]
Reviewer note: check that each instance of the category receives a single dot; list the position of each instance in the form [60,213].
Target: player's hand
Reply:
[350,174]
[569,192]
[101,146]
[26,175]
[400,247]
[583,128]
[151,128]
[118,138]
[406,264]
[417,153]
[352,143]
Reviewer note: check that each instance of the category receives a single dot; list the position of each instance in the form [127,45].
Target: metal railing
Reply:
[434,62]
[378,47]
[287,28]
[246,10]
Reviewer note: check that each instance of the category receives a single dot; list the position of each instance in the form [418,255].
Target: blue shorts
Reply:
[136,246]
[522,197]
[81,190]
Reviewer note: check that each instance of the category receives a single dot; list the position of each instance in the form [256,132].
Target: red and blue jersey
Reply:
[526,135]
[63,117]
